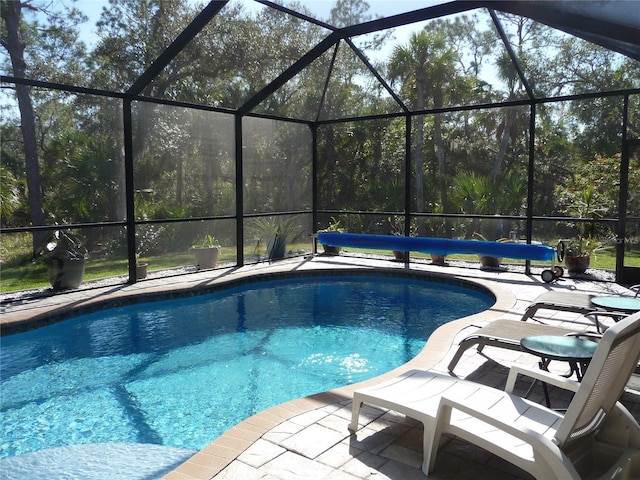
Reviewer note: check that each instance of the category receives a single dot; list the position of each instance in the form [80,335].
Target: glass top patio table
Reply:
[559,347]
[573,350]
[617,303]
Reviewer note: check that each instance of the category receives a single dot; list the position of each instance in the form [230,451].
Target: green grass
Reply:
[604,259]
[20,273]
[27,275]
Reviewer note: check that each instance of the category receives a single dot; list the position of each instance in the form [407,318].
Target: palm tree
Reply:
[506,72]
[425,66]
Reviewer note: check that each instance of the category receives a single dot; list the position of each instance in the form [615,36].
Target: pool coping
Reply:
[211,460]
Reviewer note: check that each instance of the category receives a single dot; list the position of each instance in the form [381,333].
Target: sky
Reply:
[321,9]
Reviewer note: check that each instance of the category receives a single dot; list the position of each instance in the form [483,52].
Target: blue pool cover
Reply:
[437,246]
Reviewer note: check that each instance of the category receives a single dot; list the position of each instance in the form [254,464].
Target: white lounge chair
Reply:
[560,301]
[507,334]
[504,334]
[571,302]
[596,437]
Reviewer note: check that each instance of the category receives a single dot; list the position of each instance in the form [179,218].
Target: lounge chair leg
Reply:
[463,347]
[355,415]
[431,442]
[432,434]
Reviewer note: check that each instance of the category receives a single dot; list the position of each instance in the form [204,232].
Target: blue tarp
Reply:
[437,246]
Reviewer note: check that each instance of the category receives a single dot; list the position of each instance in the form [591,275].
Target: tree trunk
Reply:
[180,181]
[504,143]
[420,162]
[208,177]
[440,154]
[11,12]
[442,184]
[121,193]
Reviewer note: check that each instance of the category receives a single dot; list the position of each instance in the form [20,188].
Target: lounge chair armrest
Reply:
[541,375]
[540,444]
[596,314]
[594,337]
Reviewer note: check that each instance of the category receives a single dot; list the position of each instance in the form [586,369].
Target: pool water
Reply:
[102,461]
[180,373]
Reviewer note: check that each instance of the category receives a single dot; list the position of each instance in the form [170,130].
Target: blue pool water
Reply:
[98,461]
[181,372]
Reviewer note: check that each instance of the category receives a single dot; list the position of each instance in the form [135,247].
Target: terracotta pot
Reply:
[438,259]
[401,256]
[493,262]
[331,250]
[577,264]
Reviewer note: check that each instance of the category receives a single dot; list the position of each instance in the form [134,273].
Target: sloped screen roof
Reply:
[333,47]
[612,24]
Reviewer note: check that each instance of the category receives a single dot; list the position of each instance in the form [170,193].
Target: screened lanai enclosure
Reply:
[134,130]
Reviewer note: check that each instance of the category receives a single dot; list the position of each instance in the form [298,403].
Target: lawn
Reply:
[20,273]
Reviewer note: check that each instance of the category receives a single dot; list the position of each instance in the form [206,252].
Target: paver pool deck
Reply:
[308,438]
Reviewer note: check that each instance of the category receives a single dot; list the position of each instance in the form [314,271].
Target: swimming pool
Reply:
[181,372]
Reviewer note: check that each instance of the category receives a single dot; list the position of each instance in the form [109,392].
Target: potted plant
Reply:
[277,231]
[65,256]
[489,261]
[438,259]
[397,228]
[141,268]
[582,203]
[334,226]
[577,253]
[207,251]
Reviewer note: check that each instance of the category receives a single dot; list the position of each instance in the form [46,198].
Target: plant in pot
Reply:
[149,239]
[577,253]
[397,228]
[141,268]
[207,251]
[65,256]
[277,232]
[334,226]
[583,203]
[489,261]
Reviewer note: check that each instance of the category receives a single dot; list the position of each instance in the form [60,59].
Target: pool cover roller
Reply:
[443,246]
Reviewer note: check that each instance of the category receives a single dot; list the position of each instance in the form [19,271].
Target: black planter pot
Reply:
[65,273]
[276,248]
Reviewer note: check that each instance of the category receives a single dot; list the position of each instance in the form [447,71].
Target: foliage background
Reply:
[464,163]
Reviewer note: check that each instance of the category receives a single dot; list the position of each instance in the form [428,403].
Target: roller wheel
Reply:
[548,276]
[558,271]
